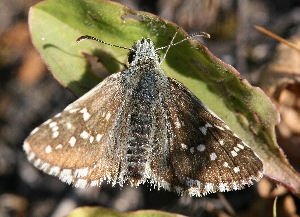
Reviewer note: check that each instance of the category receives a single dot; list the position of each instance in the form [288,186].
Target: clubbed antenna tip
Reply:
[204,34]
[81,38]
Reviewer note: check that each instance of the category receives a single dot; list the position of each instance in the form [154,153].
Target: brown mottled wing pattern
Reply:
[205,156]
[73,144]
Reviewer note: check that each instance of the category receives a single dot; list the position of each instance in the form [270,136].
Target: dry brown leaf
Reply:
[282,71]
[281,81]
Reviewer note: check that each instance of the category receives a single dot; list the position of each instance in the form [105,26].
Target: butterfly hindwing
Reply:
[204,154]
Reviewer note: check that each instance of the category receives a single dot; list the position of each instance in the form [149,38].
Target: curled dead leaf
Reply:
[281,81]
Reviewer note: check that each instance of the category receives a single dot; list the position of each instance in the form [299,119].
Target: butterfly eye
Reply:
[131,56]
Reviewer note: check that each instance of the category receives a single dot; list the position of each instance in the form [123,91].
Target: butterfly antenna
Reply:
[201,34]
[84,37]
[168,47]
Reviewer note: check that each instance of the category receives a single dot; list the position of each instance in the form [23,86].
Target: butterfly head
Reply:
[143,49]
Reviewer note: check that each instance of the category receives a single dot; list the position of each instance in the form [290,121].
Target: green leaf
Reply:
[103,212]
[56,24]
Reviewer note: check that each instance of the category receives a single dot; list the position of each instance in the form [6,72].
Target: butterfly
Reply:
[140,126]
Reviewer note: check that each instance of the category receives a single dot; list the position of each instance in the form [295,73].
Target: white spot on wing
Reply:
[236,149]
[240,146]
[72,141]
[184,146]
[233,153]
[57,115]
[37,162]
[107,116]
[84,135]
[34,131]
[225,164]
[177,124]
[31,156]
[203,130]
[91,139]
[201,147]
[235,186]
[52,124]
[48,149]
[55,128]
[219,127]
[221,142]
[26,147]
[207,125]
[98,137]
[47,122]
[192,150]
[55,134]
[59,146]
[69,125]
[85,114]
[213,156]
[236,169]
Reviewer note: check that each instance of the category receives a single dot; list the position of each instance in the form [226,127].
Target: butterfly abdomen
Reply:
[143,103]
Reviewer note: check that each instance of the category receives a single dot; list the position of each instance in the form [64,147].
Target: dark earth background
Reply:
[29,95]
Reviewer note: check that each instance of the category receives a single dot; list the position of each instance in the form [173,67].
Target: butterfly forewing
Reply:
[73,144]
[206,155]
